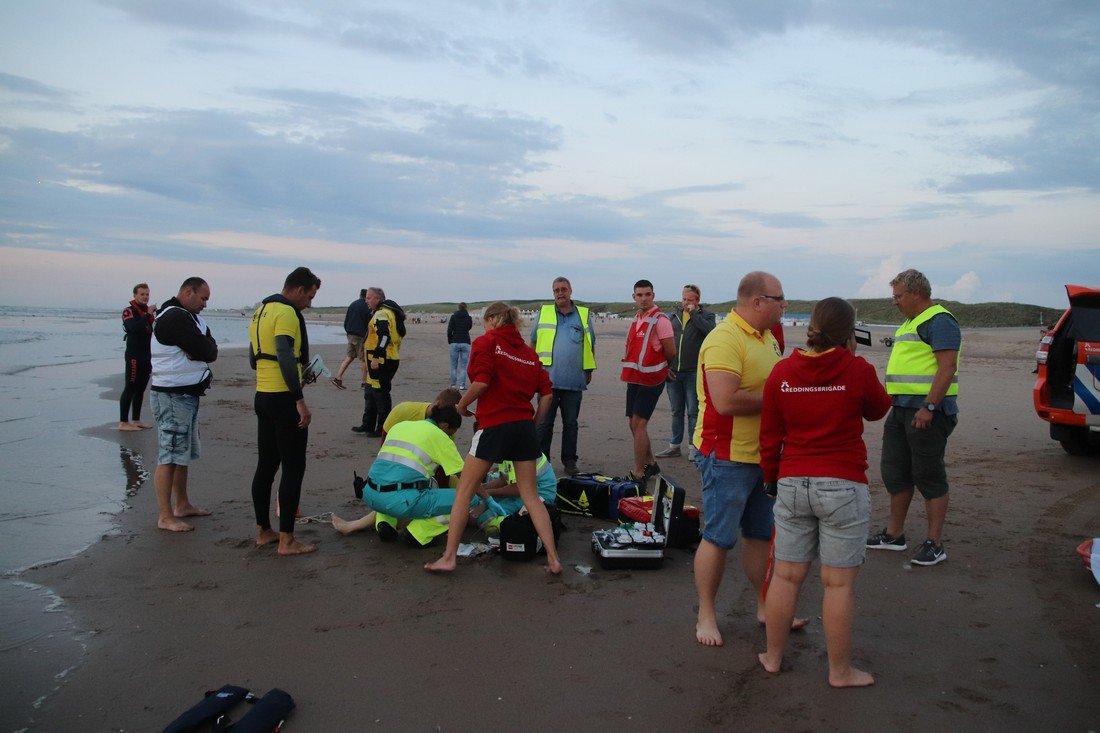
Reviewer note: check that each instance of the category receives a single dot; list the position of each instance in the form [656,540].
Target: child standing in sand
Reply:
[505,373]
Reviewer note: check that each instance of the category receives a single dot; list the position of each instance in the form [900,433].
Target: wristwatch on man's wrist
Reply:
[930,406]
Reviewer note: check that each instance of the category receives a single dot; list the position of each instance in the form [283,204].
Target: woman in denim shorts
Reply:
[811,442]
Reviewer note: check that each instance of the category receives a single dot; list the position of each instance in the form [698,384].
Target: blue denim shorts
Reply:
[177,418]
[824,518]
[733,496]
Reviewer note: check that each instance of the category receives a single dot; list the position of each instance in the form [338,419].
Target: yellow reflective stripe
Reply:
[916,378]
[404,461]
[413,448]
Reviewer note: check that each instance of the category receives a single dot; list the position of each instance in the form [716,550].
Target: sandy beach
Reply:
[1003,636]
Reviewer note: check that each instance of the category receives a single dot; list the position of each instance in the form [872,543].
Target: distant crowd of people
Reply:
[778,442]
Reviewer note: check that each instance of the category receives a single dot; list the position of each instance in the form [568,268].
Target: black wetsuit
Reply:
[137,321]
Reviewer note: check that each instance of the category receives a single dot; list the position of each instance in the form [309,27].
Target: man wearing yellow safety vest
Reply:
[565,342]
[922,377]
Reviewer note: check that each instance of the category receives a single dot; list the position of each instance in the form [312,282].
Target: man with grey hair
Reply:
[922,377]
[381,355]
[565,342]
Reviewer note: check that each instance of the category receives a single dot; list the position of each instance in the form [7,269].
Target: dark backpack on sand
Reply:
[518,538]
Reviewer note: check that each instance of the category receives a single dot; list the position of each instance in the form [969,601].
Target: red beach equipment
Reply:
[1085,551]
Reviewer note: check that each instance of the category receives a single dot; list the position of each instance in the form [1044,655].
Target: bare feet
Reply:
[266,537]
[342,526]
[190,510]
[174,525]
[796,623]
[446,566]
[293,547]
[768,664]
[851,678]
[128,427]
[141,425]
[707,634]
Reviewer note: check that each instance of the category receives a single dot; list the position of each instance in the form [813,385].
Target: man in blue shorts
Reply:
[734,363]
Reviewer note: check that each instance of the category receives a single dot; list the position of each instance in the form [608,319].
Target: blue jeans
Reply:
[682,398]
[734,498]
[569,402]
[460,354]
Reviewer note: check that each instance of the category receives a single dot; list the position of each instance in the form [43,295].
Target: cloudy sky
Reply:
[451,150]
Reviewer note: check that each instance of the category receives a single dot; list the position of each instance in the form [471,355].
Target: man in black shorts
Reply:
[650,347]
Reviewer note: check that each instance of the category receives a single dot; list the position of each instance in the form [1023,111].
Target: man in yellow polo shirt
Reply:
[734,362]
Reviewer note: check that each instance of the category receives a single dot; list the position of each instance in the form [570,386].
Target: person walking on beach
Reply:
[278,349]
[137,322]
[565,342]
[381,354]
[458,336]
[811,443]
[734,363]
[690,325]
[181,351]
[505,374]
[922,377]
[649,350]
[355,326]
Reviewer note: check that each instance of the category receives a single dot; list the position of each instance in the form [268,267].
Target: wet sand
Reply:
[1003,636]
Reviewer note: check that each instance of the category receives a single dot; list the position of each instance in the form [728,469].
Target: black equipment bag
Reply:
[518,538]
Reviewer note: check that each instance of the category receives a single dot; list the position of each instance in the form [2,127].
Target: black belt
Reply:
[418,485]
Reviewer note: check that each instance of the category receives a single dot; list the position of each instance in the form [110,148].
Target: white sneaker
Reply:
[693,453]
[672,450]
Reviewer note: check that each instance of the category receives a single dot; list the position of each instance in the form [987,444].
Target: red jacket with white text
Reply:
[511,368]
[812,420]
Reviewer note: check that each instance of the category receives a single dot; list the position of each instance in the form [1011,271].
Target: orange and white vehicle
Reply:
[1067,390]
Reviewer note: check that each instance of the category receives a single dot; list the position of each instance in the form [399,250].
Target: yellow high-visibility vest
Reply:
[912,362]
[547,330]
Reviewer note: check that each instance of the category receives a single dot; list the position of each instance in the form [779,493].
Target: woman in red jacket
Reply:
[505,373]
[811,441]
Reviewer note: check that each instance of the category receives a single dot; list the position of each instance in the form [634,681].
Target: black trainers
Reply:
[929,554]
[886,541]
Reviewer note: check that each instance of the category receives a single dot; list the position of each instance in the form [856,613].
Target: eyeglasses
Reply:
[776,298]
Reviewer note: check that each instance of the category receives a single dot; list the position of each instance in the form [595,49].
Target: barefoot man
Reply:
[278,349]
[734,363]
[137,323]
[182,349]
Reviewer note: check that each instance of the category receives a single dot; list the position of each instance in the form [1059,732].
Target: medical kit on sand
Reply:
[593,495]
[640,545]
[266,714]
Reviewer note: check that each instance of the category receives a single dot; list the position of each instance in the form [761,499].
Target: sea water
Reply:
[60,489]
